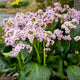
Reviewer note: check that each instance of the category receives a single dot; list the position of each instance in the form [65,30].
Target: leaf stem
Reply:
[18,57]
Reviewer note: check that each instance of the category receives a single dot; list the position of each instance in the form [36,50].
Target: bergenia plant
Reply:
[43,43]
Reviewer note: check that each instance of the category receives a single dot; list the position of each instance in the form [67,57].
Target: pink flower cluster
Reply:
[58,8]
[74,14]
[67,26]
[33,25]
[20,46]
[77,38]
[59,34]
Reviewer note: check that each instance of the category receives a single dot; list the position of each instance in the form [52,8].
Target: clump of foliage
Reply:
[2,5]
[42,45]
[16,5]
[25,2]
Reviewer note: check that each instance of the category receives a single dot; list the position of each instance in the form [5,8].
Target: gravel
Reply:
[3,16]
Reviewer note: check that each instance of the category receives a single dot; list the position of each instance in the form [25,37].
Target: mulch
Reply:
[9,77]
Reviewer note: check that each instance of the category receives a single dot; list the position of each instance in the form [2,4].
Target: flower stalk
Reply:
[18,57]
[44,62]
[38,57]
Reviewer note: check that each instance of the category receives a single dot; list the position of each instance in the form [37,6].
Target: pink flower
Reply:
[67,38]
[75,21]
[53,36]
[46,49]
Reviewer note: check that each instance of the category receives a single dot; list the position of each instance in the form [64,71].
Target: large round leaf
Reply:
[73,73]
[37,72]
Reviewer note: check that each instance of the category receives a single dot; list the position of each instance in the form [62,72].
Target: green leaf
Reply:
[7,70]
[60,68]
[73,72]
[16,5]
[61,49]
[26,55]
[72,58]
[37,72]
[7,54]
[2,46]
[2,5]
[51,59]
[25,2]
[58,74]
[58,65]
[2,64]
[64,46]
[22,75]
[3,67]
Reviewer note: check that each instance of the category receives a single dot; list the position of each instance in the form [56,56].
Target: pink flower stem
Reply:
[44,63]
